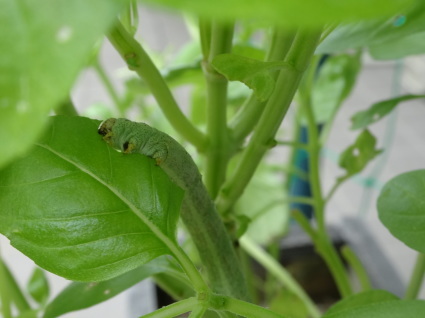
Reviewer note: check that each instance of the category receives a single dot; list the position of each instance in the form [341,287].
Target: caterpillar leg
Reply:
[161,153]
[128,147]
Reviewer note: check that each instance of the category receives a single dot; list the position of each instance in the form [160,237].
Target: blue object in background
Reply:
[299,187]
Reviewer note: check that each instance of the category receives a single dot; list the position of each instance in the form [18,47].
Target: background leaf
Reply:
[44,44]
[355,158]
[257,75]
[80,295]
[71,203]
[400,47]
[38,286]
[378,110]
[294,13]
[386,309]
[335,81]
[401,208]
[361,299]
[265,205]
[371,32]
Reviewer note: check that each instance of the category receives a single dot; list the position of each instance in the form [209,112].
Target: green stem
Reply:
[280,273]
[138,60]
[177,287]
[108,84]
[302,200]
[299,57]
[357,266]
[174,309]
[335,187]
[327,250]
[322,240]
[248,115]
[218,153]
[198,311]
[239,307]
[417,278]
[305,224]
[66,108]
[205,36]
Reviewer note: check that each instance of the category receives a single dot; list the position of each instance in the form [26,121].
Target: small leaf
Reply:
[84,211]
[361,299]
[44,44]
[385,309]
[38,286]
[401,208]
[355,158]
[379,110]
[257,75]
[334,83]
[79,295]
[289,13]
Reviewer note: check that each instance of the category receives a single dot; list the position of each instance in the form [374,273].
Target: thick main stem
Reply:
[217,153]
[263,137]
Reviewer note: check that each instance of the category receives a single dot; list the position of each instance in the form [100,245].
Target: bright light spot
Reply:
[107,291]
[64,34]
[90,286]
[356,152]
[22,106]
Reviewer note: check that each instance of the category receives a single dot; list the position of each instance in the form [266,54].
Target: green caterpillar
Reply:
[132,137]
[198,210]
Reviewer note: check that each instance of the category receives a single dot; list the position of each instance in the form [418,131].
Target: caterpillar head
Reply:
[114,133]
[105,129]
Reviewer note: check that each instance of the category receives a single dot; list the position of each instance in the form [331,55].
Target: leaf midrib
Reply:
[161,236]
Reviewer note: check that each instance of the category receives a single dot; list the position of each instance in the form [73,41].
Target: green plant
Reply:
[86,212]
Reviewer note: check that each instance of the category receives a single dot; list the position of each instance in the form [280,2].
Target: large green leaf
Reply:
[401,208]
[361,299]
[84,211]
[44,44]
[334,83]
[372,32]
[80,295]
[385,309]
[299,13]
[379,110]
